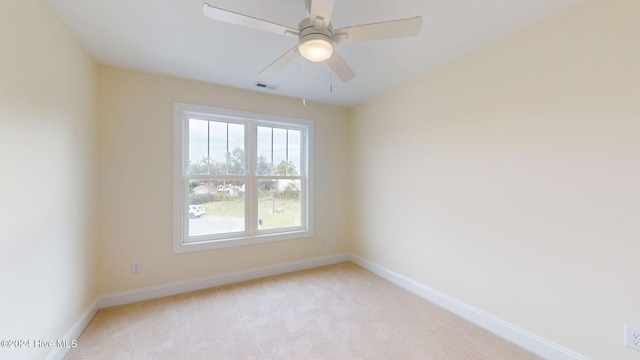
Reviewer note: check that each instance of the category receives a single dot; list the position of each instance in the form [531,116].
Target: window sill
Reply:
[186,247]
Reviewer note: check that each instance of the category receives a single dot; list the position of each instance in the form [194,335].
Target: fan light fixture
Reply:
[316,50]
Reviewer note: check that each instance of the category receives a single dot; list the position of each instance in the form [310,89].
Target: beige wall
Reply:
[136,162]
[48,267]
[510,179]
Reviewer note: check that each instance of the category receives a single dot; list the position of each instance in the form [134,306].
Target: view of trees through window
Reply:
[218,177]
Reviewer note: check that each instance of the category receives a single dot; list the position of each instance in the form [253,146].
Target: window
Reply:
[240,178]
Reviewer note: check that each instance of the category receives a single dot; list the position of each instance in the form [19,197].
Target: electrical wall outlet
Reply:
[323,241]
[136,267]
[632,337]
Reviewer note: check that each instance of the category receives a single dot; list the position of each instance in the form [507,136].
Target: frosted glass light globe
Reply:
[316,50]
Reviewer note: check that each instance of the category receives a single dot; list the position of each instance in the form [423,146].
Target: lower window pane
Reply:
[216,207]
[278,204]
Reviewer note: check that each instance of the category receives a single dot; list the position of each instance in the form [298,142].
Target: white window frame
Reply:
[252,235]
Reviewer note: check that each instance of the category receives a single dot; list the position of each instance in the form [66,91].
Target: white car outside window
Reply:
[196,211]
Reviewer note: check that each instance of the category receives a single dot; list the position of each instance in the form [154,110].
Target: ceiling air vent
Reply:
[267,86]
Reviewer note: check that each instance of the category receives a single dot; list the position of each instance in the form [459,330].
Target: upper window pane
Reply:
[279,151]
[235,149]
[216,148]
[279,148]
[265,151]
[198,147]
[294,138]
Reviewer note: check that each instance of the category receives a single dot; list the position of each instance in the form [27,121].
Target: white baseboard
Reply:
[525,339]
[522,338]
[127,297]
[78,327]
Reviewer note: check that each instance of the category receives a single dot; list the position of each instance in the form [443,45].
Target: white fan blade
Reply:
[321,13]
[280,63]
[376,31]
[340,67]
[248,21]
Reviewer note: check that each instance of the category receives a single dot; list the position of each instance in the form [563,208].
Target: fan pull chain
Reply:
[304,101]
[330,81]
[330,75]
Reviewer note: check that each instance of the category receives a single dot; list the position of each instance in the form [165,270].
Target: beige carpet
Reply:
[335,312]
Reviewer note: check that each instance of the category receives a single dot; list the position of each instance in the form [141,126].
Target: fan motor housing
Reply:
[309,32]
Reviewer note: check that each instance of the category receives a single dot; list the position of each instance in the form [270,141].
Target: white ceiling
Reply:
[173,37]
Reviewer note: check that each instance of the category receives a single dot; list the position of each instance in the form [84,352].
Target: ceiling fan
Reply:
[316,36]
